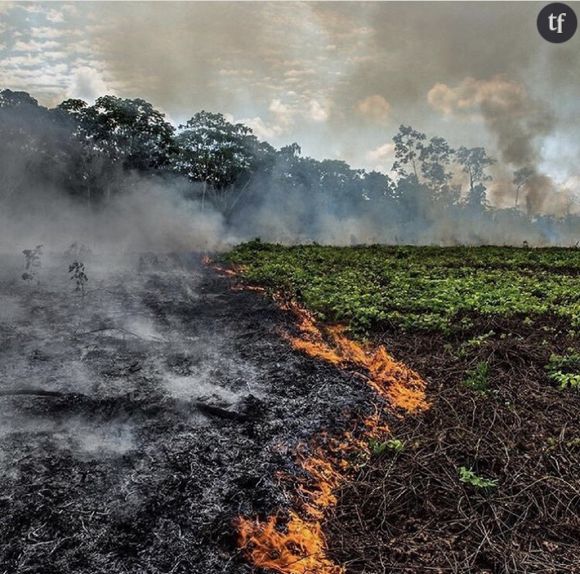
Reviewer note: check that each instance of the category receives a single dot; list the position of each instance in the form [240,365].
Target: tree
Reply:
[408,149]
[435,158]
[521,178]
[219,154]
[378,187]
[10,99]
[129,131]
[33,147]
[474,162]
[94,163]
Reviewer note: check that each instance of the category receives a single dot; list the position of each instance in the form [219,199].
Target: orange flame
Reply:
[298,545]
[392,380]
[299,549]
[223,271]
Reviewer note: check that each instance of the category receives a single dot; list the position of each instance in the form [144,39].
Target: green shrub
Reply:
[565,370]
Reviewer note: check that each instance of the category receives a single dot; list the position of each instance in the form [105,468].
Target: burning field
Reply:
[173,414]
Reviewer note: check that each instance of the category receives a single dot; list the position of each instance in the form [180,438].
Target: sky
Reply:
[338,78]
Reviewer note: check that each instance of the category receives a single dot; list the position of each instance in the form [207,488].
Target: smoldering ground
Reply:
[139,418]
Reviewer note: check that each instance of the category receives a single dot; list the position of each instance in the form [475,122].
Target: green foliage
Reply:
[565,370]
[395,445]
[467,476]
[130,131]
[377,447]
[478,378]
[418,288]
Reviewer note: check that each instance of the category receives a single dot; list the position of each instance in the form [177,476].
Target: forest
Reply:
[432,193]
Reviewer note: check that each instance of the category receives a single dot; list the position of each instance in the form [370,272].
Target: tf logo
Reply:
[557,22]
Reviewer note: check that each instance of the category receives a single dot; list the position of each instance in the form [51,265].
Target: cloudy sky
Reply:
[338,78]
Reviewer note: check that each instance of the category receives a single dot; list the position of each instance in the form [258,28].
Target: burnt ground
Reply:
[408,512]
[137,421]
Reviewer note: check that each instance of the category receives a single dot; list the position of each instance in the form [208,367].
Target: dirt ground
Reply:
[137,421]
[409,512]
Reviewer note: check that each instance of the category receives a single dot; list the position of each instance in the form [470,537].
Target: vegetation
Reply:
[467,476]
[32,263]
[478,378]
[78,275]
[91,152]
[427,288]
[565,370]
[485,479]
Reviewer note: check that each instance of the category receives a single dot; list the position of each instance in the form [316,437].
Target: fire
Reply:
[295,543]
[298,545]
[392,380]
[224,271]
[299,549]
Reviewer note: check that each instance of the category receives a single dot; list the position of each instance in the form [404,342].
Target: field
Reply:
[298,410]
[487,478]
[428,288]
[138,419]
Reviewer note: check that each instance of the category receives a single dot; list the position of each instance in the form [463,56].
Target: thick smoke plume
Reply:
[518,124]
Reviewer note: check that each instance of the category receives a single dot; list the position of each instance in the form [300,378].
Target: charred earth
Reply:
[139,419]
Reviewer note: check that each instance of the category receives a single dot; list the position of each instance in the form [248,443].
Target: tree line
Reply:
[86,151]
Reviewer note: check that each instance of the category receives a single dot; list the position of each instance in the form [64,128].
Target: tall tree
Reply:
[474,163]
[521,178]
[129,131]
[218,154]
[408,148]
[435,158]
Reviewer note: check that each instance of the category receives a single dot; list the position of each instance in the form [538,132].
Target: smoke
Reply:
[518,123]
[514,118]
[146,215]
[109,209]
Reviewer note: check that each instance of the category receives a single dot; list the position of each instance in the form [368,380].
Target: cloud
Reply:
[374,108]
[472,96]
[55,16]
[318,112]
[282,113]
[261,129]
[87,84]
[48,33]
[340,71]
[283,118]
[281,121]
[381,157]
[34,46]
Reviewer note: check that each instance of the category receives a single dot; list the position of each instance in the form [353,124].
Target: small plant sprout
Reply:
[78,275]
[565,370]
[377,447]
[32,263]
[467,476]
[395,445]
[477,378]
